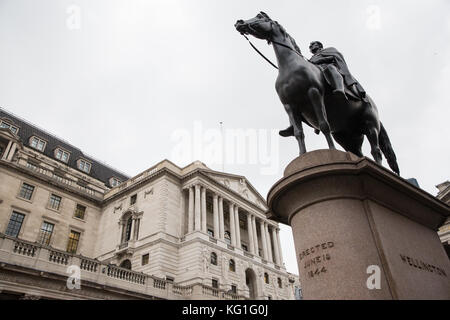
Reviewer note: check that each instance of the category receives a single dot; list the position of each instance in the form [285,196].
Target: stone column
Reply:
[269,246]
[133,225]
[263,240]
[5,153]
[197,207]
[238,228]
[204,210]
[250,233]
[275,247]
[255,235]
[232,225]
[280,252]
[120,235]
[221,220]
[191,210]
[11,151]
[216,216]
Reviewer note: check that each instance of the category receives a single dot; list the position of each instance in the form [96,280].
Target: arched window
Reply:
[214,258]
[232,266]
[280,283]
[266,277]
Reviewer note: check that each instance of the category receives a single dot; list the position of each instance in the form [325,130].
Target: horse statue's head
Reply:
[262,27]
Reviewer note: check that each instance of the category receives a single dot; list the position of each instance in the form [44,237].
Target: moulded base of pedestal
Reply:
[360,231]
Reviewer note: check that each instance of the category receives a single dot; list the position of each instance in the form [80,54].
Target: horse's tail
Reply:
[386,147]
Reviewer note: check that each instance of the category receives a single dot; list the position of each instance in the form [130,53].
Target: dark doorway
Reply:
[126,264]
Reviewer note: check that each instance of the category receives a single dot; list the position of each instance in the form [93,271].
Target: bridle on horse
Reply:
[269,41]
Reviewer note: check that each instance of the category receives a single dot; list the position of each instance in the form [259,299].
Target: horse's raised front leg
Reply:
[296,122]
[316,100]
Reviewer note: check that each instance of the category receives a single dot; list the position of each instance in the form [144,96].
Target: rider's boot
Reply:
[338,83]
[288,132]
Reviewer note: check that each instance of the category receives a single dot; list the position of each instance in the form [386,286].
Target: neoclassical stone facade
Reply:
[167,233]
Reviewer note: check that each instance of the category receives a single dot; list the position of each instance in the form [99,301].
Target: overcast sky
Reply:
[131,82]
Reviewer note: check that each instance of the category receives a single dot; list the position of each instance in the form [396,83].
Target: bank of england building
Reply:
[71,227]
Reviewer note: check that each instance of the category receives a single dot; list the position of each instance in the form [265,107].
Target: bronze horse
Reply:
[307,97]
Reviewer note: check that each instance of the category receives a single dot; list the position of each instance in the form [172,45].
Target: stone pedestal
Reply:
[360,231]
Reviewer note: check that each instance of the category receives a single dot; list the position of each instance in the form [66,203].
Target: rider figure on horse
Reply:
[336,73]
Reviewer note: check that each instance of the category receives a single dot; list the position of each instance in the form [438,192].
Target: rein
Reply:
[259,52]
[262,55]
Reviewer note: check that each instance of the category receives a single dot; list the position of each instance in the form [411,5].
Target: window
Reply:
[227,237]
[266,277]
[4,124]
[244,247]
[37,143]
[46,233]
[62,155]
[14,225]
[133,199]
[114,182]
[232,266]
[211,233]
[26,191]
[215,283]
[80,211]
[213,258]
[83,165]
[74,239]
[145,259]
[127,230]
[55,202]
[233,288]
[280,283]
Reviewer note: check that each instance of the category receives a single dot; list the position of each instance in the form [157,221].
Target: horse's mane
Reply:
[287,36]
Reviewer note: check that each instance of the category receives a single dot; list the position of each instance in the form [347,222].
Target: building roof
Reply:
[98,170]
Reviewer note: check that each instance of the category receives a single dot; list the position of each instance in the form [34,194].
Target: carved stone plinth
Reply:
[360,231]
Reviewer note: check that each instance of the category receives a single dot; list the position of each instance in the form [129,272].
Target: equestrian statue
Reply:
[321,93]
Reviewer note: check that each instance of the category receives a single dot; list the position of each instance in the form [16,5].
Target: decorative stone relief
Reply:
[148,192]
[118,208]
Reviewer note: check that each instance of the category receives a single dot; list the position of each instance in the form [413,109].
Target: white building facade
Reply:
[167,233]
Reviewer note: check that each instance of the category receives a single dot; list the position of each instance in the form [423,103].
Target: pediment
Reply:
[6,133]
[241,186]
